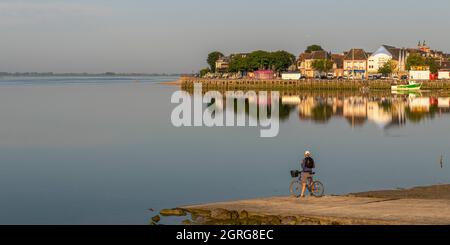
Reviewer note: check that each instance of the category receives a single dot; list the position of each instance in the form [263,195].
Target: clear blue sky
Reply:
[176,35]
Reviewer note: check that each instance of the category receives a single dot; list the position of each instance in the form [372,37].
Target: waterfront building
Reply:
[444,70]
[222,64]
[420,73]
[264,74]
[427,52]
[306,59]
[355,64]
[444,75]
[338,65]
[293,75]
[385,54]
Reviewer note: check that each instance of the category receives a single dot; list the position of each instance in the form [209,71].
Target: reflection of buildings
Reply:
[386,112]
[378,114]
[355,110]
[305,107]
[420,104]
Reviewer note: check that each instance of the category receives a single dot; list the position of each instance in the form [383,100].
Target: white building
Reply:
[444,75]
[419,75]
[291,75]
[383,55]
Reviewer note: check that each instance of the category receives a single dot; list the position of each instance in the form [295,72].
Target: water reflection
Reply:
[382,108]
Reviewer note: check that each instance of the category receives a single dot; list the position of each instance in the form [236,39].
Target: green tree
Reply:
[414,59]
[238,64]
[322,65]
[418,60]
[259,60]
[313,47]
[262,60]
[212,58]
[282,60]
[204,71]
[388,68]
[434,66]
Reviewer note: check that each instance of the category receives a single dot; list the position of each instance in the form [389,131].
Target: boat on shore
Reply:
[412,85]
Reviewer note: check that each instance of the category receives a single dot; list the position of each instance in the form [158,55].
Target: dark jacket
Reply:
[306,169]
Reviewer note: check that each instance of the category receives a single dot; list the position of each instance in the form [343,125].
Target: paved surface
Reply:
[345,209]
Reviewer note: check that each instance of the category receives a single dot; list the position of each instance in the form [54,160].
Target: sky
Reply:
[175,36]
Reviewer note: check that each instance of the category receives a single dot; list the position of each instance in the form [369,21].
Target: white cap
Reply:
[307,153]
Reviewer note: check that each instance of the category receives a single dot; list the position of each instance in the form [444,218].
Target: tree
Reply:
[282,60]
[313,47]
[238,64]
[388,68]
[322,65]
[262,60]
[434,66]
[414,59]
[204,71]
[259,60]
[418,60]
[212,58]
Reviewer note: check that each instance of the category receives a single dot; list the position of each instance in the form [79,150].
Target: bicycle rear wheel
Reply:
[317,189]
[295,188]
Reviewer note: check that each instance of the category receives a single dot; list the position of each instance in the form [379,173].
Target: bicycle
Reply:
[315,188]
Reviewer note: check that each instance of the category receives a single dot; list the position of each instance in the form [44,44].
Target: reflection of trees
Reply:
[321,113]
[356,121]
[321,107]
[285,110]
[433,110]
[417,116]
[413,116]
[386,105]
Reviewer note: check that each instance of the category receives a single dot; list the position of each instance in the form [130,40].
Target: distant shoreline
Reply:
[172,83]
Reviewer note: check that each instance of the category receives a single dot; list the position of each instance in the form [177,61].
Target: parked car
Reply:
[330,76]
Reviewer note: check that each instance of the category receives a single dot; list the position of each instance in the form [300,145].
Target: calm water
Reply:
[102,150]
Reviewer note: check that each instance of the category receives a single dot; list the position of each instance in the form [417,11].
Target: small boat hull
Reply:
[411,86]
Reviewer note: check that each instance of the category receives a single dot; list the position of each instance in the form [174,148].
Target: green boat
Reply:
[410,86]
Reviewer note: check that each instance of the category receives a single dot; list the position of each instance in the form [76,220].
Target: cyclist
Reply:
[307,170]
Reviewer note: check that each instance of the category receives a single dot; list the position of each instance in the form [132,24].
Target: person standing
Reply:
[307,170]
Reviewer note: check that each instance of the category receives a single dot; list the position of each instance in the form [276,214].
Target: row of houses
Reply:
[359,64]
[355,63]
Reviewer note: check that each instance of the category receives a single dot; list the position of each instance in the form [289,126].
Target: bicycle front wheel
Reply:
[317,189]
[295,188]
